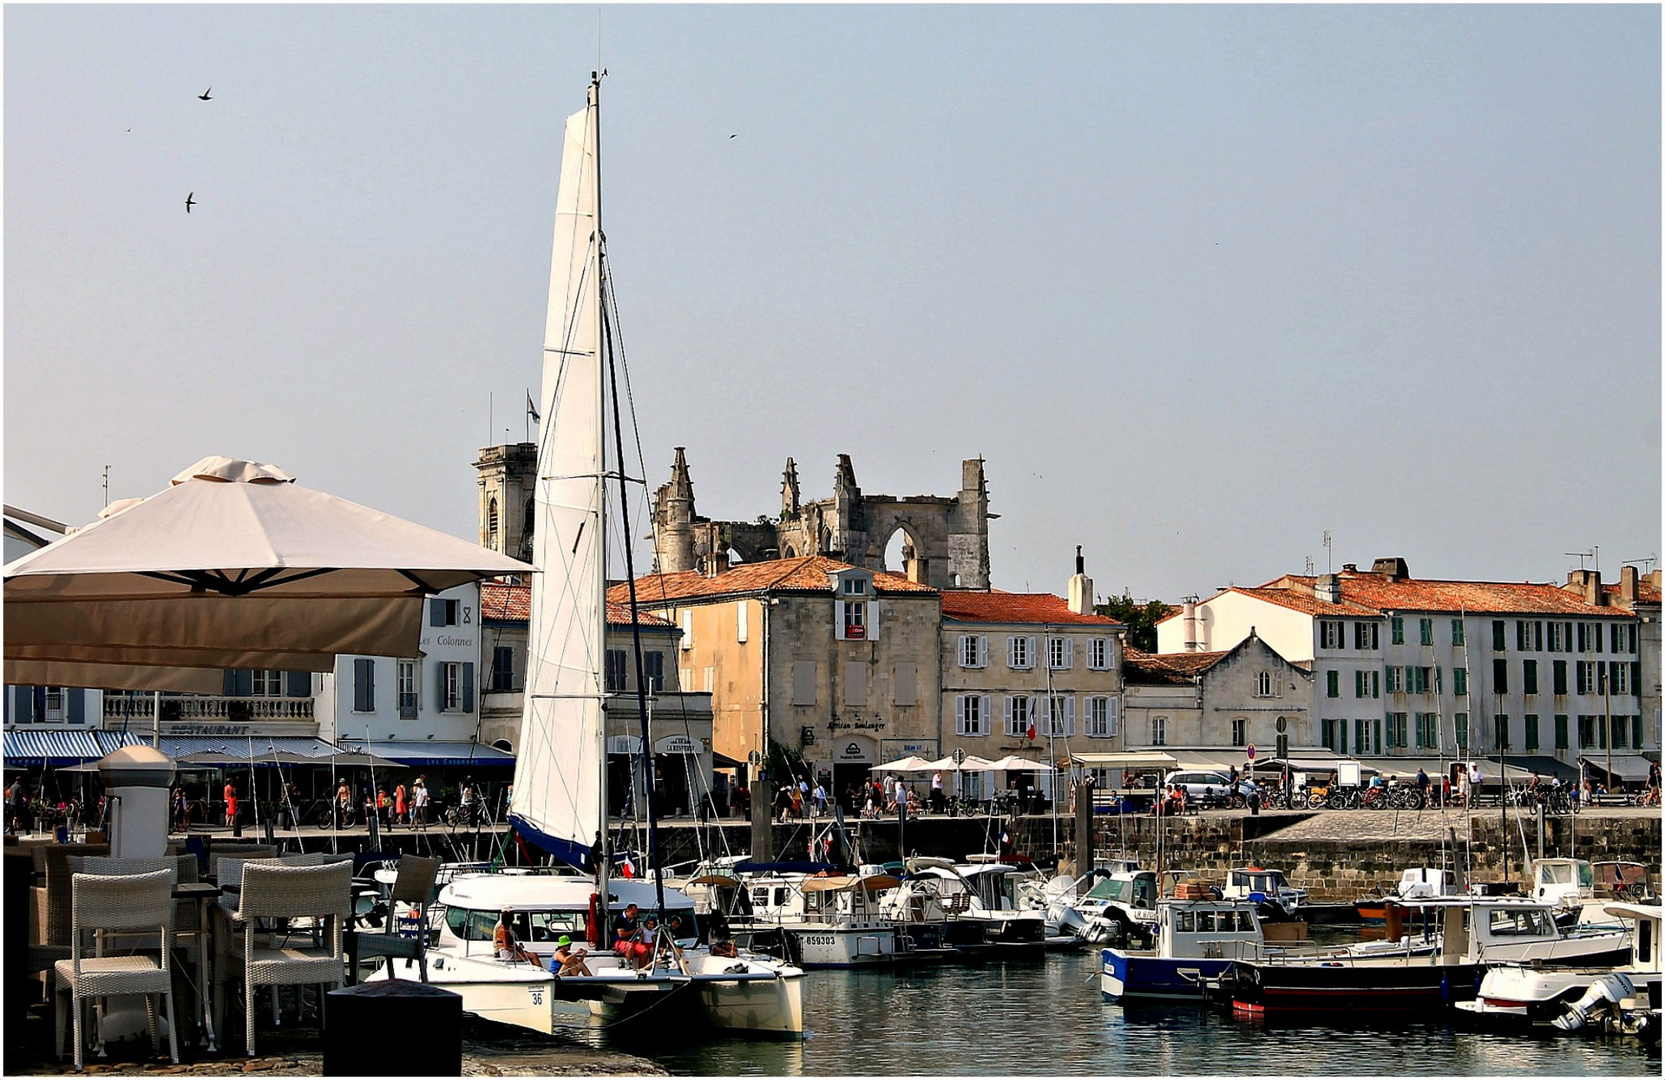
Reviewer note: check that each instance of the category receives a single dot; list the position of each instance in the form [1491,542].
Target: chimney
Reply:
[1393,568]
[1081,587]
[1587,584]
[714,563]
[1349,568]
[1628,579]
[1193,641]
[1328,589]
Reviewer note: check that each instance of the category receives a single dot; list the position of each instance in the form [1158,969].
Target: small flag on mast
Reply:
[532,410]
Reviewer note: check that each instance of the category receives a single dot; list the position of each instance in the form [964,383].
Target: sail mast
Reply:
[602,856]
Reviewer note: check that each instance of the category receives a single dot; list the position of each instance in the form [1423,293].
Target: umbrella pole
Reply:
[156,718]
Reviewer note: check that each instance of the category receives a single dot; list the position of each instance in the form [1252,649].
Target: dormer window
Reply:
[854,586]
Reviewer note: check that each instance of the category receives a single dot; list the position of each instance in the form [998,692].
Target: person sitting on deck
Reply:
[568,961]
[628,941]
[503,940]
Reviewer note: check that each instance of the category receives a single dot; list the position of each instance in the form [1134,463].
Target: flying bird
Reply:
[190,201]
[205,95]
[735,136]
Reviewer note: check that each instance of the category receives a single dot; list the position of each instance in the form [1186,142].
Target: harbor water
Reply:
[1046,1017]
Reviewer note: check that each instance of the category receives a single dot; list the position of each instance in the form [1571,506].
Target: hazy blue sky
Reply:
[1198,282]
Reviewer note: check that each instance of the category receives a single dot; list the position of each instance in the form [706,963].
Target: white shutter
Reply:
[959,715]
[687,630]
[982,650]
[1009,700]
[838,620]
[965,659]
[1069,652]
[988,711]
[740,621]
[872,620]
[1115,707]
[1069,716]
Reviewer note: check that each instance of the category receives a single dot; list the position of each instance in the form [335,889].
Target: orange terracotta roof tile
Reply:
[1169,667]
[804,574]
[995,606]
[1364,593]
[513,603]
[1646,593]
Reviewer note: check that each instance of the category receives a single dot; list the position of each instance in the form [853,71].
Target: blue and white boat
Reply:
[1194,939]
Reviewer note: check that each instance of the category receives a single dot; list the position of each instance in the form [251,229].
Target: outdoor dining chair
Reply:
[124,902]
[273,891]
[413,885]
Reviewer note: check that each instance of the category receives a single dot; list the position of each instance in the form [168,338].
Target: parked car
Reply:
[1199,784]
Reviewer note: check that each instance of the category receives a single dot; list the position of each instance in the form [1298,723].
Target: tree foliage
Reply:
[1140,619]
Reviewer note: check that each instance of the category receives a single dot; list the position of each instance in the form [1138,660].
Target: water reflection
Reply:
[1046,1018]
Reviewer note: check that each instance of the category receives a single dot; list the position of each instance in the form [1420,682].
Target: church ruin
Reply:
[945,540]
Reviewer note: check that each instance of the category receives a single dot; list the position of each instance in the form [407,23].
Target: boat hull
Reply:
[1265,990]
[843,948]
[1132,977]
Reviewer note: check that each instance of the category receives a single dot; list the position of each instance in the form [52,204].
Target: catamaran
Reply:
[560,797]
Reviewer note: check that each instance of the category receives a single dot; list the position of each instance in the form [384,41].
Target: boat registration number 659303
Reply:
[818,939]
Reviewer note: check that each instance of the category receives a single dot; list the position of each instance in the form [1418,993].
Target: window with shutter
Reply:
[468,686]
[1019,652]
[687,620]
[364,685]
[855,683]
[906,689]
[803,682]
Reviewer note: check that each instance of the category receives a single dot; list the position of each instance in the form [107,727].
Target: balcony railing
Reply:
[407,706]
[118,706]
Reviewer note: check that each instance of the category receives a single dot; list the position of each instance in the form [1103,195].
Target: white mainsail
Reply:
[558,767]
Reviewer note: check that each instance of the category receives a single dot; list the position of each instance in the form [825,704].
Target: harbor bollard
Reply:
[393,1027]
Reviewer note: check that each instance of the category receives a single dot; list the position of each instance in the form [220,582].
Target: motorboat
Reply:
[1583,997]
[817,920]
[1440,961]
[1568,884]
[1194,939]
[684,983]
[932,907]
[1419,882]
[1268,888]
[1121,908]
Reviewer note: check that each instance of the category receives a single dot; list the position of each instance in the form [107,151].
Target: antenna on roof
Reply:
[1644,564]
[1329,553]
[1309,566]
[1581,556]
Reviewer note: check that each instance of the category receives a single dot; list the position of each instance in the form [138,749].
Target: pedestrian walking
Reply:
[400,809]
[230,804]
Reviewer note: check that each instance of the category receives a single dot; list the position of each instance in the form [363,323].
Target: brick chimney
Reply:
[1327,590]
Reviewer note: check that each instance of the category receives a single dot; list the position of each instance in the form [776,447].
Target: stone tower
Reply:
[508,478]
[673,521]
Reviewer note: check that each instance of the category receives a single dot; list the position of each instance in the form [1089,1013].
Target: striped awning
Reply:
[41,746]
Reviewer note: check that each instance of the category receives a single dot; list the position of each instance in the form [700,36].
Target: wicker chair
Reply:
[414,885]
[129,902]
[276,891]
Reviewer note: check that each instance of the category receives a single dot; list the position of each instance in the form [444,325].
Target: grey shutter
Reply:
[364,688]
[906,689]
[37,704]
[439,674]
[243,682]
[803,682]
[77,706]
[872,620]
[300,683]
[228,683]
[468,686]
[436,612]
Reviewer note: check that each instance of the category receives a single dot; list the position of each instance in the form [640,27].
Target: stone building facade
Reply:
[945,540]
[1029,674]
[835,662]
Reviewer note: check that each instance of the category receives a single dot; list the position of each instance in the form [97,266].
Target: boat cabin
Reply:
[1263,887]
[1422,881]
[1564,882]
[1206,928]
[1129,891]
[543,907]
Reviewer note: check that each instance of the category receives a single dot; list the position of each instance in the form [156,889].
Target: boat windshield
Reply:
[534,927]
[1526,922]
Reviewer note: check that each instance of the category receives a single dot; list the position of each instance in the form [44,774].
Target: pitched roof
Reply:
[804,574]
[1382,593]
[513,603]
[1169,667]
[995,606]
[1646,593]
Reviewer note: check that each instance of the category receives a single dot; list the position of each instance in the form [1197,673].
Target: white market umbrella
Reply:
[972,763]
[1013,763]
[911,763]
[234,565]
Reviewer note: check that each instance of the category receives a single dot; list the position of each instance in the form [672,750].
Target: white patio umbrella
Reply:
[972,763]
[911,763]
[234,565]
[1013,763]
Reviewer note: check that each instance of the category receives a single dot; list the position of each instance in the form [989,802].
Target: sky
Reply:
[1198,283]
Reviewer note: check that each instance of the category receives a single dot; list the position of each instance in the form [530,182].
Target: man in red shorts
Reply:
[627,941]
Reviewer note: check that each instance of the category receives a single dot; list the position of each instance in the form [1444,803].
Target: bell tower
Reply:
[507,476]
